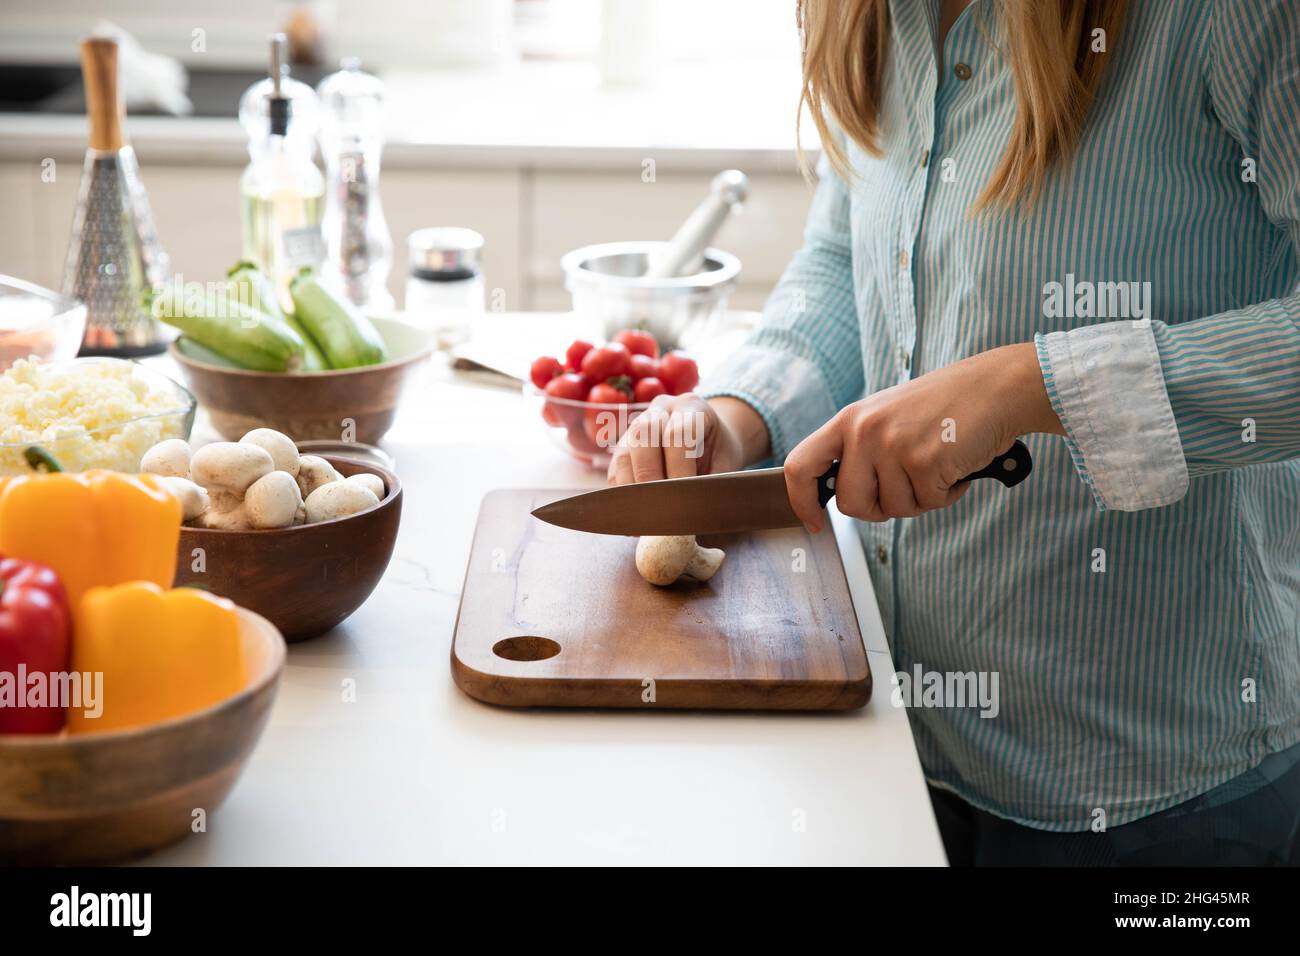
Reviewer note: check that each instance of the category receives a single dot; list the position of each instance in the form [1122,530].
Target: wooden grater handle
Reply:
[99,71]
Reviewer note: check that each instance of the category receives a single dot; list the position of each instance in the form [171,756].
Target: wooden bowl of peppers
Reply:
[127,708]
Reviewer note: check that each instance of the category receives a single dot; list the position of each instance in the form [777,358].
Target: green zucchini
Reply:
[251,287]
[313,359]
[347,337]
[247,337]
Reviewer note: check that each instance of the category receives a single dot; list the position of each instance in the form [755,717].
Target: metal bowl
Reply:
[607,284]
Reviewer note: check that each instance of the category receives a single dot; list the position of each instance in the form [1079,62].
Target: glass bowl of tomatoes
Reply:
[588,397]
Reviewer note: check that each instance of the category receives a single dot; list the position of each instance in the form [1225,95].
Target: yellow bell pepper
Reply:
[93,528]
[163,654]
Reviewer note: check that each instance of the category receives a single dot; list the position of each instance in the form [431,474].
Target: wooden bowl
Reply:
[306,405]
[102,798]
[305,579]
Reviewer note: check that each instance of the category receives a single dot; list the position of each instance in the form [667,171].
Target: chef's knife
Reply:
[721,504]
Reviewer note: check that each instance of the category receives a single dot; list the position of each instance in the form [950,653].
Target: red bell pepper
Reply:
[35,639]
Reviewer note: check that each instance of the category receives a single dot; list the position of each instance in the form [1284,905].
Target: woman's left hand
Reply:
[904,450]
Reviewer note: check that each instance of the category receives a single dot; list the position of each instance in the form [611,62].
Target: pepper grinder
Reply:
[114,259]
[358,247]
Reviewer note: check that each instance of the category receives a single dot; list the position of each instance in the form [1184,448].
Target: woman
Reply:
[1077,222]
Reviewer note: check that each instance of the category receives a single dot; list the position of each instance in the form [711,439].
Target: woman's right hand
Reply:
[680,436]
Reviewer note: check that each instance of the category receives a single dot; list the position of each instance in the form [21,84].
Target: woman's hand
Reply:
[904,450]
[680,436]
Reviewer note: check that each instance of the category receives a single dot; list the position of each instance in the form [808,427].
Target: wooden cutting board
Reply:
[557,618]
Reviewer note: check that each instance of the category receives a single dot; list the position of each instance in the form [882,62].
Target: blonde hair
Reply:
[1049,47]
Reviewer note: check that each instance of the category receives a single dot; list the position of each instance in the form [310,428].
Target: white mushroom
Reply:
[194,498]
[662,560]
[283,452]
[227,468]
[170,458]
[272,501]
[234,519]
[370,480]
[339,499]
[314,471]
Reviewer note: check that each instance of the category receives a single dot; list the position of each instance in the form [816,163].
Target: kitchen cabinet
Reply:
[530,217]
[486,200]
[572,209]
[20,200]
[196,209]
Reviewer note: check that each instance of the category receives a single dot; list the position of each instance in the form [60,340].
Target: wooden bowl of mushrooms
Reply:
[300,539]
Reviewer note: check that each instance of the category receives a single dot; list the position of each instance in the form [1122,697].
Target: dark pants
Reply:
[1252,820]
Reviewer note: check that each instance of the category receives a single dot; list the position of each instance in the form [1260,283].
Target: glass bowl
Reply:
[37,322]
[586,430]
[116,445]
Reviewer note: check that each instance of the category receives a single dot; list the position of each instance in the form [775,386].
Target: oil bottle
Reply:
[282,189]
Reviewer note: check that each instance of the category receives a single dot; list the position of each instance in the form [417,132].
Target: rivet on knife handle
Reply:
[1011,467]
[826,483]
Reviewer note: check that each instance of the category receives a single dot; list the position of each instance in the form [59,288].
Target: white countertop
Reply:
[416,772]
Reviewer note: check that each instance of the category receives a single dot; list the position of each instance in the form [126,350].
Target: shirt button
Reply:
[925,158]
[961,71]
[902,259]
[905,358]
[881,554]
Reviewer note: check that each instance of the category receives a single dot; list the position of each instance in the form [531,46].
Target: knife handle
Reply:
[1010,468]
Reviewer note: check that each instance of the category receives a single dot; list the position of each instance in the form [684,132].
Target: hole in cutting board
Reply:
[526,648]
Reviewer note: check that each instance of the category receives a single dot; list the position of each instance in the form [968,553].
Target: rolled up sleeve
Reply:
[1149,405]
[1106,386]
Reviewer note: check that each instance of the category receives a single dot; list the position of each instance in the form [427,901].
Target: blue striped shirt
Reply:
[1139,595]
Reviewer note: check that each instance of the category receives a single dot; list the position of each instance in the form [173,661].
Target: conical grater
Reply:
[114,258]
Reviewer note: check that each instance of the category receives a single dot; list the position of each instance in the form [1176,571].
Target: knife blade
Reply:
[721,504]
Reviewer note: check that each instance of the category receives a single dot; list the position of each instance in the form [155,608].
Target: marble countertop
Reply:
[415,772]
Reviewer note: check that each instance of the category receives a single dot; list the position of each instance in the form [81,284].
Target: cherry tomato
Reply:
[678,372]
[544,369]
[575,353]
[608,393]
[567,386]
[641,366]
[638,342]
[606,362]
[604,426]
[648,389]
[621,384]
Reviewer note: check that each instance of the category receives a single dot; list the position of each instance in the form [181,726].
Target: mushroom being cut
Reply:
[662,560]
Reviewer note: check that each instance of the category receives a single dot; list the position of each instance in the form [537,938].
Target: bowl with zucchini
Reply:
[318,370]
